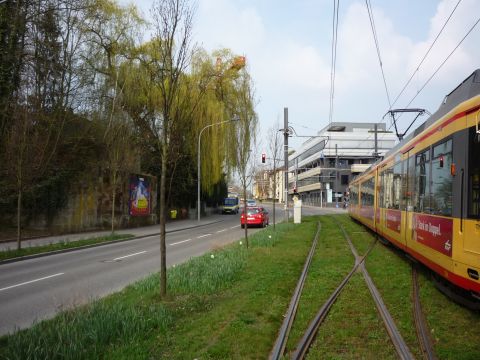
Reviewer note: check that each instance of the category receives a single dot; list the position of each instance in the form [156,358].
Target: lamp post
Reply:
[199,160]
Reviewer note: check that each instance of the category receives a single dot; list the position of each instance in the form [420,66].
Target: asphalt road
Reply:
[37,289]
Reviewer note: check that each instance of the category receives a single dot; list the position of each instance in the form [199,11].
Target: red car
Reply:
[256,215]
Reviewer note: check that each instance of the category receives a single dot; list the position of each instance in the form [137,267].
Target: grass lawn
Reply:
[10,254]
[229,304]
[332,261]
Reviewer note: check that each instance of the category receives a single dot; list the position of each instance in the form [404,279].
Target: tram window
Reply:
[388,188]
[353,195]
[441,191]
[410,195]
[473,176]
[422,182]
[408,183]
[367,189]
[397,185]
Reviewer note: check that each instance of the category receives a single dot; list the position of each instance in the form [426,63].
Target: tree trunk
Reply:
[163,255]
[113,203]
[19,211]
[274,194]
[245,213]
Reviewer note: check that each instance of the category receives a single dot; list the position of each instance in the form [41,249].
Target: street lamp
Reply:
[199,160]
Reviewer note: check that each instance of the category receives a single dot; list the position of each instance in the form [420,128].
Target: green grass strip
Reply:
[332,261]
[353,329]
[10,254]
[455,330]
[229,304]
[226,304]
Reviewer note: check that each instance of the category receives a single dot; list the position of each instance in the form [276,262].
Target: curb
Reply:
[55,252]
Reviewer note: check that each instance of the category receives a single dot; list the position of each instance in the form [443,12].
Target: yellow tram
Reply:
[424,197]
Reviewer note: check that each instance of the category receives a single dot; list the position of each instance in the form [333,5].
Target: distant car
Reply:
[251,202]
[256,215]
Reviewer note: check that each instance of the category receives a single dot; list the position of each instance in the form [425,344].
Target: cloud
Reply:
[220,23]
[292,68]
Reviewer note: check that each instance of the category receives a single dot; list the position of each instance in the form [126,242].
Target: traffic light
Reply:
[263,158]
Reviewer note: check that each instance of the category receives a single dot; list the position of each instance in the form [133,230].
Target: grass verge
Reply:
[353,329]
[10,254]
[225,304]
[229,304]
[453,328]
[332,261]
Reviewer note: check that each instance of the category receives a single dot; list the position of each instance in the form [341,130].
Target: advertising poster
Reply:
[434,232]
[367,212]
[394,220]
[139,196]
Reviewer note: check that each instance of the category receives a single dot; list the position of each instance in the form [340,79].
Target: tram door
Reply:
[472,230]
[408,181]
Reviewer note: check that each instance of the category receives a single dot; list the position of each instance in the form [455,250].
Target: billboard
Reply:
[434,232]
[140,191]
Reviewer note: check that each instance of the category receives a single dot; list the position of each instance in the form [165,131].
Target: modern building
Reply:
[321,169]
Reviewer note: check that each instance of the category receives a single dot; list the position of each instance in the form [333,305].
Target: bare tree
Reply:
[275,148]
[173,21]
[246,137]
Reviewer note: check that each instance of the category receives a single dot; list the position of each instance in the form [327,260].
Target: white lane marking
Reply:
[126,256]
[220,231]
[31,281]
[234,227]
[201,236]
[179,242]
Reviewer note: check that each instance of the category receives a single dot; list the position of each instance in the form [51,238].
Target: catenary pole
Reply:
[285,146]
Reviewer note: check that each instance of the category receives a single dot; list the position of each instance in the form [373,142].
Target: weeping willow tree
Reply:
[242,103]
[171,93]
[216,107]
[112,32]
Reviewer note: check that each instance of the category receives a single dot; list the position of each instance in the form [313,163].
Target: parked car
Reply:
[256,215]
[251,202]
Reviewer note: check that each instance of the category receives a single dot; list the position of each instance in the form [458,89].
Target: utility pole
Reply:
[285,147]
[336,173]
[375,154]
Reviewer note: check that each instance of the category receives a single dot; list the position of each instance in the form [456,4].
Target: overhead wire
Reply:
[443,62]
[377,46]
[336,6]
[435,72]
[426,54]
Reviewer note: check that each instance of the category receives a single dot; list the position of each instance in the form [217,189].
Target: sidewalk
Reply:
[136,232]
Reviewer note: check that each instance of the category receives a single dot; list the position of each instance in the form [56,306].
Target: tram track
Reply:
[309,335]
[423,334]
[397,340]
[280,343]
[421,326]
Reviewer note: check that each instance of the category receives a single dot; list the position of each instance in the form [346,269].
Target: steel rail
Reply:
[423,334]
[305,342]
[401,347]
[281,342]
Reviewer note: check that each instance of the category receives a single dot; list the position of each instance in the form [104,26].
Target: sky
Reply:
[288,43]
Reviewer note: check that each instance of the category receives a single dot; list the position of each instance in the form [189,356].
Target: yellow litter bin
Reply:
[173,214]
